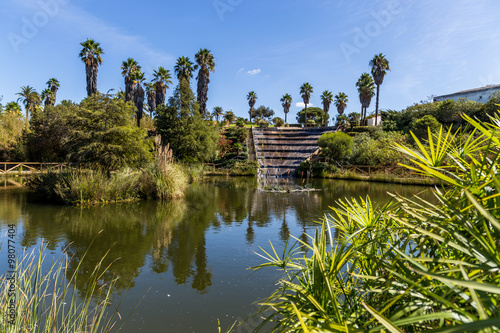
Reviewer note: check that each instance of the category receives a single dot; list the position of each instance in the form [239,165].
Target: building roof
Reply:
[496,86]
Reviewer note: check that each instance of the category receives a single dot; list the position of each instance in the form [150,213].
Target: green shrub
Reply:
[419,126]
[336,146]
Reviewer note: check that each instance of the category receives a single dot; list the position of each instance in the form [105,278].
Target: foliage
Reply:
[318,169]
[263,113]
[191,138]
[313,113]
[419,126]
[278,122]
[354,119]
[46,300]
[377,149]
[103,134]
[411,265]
[50,131]
[336,146]
[11,130]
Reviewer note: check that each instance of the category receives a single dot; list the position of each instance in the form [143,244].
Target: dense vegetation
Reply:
[411,265]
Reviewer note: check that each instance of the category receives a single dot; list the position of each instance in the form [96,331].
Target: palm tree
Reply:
[326,100]
[161,79]
[218,111]
[252,98]
[91,56]
[138,93]
[31,99]
[366,89]
[151,92]
[286,102]
[341,102]
[206,62]
[380,66]
[54,85]
[47,96]
[184,68]
[129,67]
[229,116]
[305,92]
[13,107]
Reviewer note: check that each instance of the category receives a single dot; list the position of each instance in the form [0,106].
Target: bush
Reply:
[378,149]
[317,169]
[419,126]
[336,146]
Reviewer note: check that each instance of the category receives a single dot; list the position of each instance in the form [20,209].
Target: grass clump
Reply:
[411,265]
[45,301]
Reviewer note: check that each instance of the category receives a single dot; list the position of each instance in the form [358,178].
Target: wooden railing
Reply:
[369,170]
[30,167]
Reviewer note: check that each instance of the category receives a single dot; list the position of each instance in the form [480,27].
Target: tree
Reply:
[218,111]
[14,108]
[138,93]
[184,69]
[263,112]
[180,124]
[252,99]
[47,96]
[31,99]
[354,119]
[380,66]
[206,63]
[278,122]
[420,126]
[230,117]
[316,116]
[104,135]
[286,102]
[129,68]
[151,93]
[161,79]
[326,100]
[342,121]
[336,146]
[91,56]
[366,89]
[305,92]
[53,85]
[341,101]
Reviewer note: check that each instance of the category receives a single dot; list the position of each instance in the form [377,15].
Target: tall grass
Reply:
[411,265]
[45,300]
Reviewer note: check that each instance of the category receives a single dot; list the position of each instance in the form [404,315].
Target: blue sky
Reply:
[271,47]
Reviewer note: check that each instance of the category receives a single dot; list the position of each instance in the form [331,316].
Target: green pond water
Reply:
[184,262]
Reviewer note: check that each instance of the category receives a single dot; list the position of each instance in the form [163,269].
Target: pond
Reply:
[184,262]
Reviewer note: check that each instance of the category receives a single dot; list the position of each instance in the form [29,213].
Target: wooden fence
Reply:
[30,167]
[386,170]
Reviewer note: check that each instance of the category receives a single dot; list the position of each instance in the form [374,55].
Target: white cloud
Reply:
[302,105]
[240,70]
[254,71]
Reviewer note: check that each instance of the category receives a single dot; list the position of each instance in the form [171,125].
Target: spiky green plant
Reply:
[411,265]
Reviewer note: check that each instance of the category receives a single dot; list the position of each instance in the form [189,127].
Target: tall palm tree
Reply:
[366,89]
[47,96]
[161,79]
[206,63]
[326,100]
[252,99]
[286,102]
[341,102]
[53,85]
[31,99]
[91,56]
[305,92]
[129,67]
[184,68]
[218,111]
[138,93]
[380,66]
[151,93]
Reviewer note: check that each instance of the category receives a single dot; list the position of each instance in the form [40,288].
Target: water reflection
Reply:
[150,238]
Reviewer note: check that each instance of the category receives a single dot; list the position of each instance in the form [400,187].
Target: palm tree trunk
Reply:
[376,105]
[305,116]
[285,116]
[324,121]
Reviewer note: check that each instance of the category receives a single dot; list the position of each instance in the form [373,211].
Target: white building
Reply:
[371,120]
[479,94]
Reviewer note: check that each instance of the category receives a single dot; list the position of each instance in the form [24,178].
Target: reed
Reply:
[46,301]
